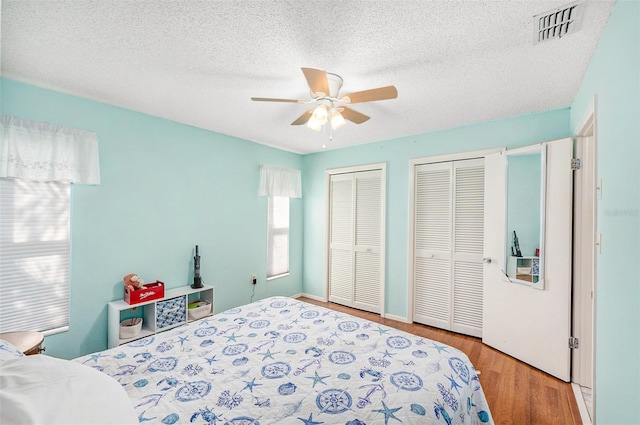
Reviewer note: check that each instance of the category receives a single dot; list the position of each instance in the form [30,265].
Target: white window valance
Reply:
[45,152]
[278,181]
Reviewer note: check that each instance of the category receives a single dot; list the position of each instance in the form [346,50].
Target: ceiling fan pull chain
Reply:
[324,136]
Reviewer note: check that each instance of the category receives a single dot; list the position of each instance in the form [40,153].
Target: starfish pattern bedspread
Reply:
[284,361]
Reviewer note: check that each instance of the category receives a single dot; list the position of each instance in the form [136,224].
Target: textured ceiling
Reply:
[200,62]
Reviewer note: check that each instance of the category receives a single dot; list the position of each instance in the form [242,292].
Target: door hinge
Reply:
[574,342]
[576,163]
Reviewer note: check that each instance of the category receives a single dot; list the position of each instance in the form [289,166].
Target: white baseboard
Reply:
[321,299]
[313,297]
[582,407]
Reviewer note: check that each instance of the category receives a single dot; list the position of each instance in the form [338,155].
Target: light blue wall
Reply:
[510,132]
[165,188]
[614,76]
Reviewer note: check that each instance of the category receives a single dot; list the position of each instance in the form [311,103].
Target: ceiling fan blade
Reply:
[381,93]
[353,116]
[271,99]
[317,80]
[302,119]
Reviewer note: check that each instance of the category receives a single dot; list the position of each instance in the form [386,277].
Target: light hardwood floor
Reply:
[517,393]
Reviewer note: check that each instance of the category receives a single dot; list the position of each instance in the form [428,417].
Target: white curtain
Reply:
[45,152]
[278,181]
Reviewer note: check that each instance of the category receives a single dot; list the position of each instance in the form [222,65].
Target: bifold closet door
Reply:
[341,237]
[355,240]
[449,236]
[432,252]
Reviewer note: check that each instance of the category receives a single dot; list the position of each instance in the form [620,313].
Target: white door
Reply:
[341,239]
[468,247]
[529,324]
[432,262]
[356,234]
[367,276]
[448,225]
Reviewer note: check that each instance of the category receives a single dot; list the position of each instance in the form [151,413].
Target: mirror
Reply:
[525,217]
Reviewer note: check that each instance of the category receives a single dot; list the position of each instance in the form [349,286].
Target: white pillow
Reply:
[8,351]
[41,389]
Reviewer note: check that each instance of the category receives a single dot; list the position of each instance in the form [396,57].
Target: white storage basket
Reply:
[199,309]
[130,327]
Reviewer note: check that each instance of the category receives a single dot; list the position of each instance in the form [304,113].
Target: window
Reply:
[279,185]
[278,237]
[34,255]
[38,162]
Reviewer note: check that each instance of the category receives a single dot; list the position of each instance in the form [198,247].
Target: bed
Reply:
[284,361]
[41,389]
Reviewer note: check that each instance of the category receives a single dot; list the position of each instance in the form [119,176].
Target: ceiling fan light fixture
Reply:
[320,113]
[336,119]
[314,123]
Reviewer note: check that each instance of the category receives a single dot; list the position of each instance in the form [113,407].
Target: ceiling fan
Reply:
[329,104]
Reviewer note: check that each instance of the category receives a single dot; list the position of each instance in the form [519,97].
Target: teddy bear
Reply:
[133,281]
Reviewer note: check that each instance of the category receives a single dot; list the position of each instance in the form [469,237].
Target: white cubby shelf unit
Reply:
[525,268]
[157,315]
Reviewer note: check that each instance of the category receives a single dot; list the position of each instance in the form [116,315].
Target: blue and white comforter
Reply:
[283,361]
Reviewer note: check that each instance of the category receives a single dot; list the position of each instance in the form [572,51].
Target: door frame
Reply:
[413,163]
[379,166]
[585,248]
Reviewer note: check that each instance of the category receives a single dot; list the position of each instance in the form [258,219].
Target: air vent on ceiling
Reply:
[558,22]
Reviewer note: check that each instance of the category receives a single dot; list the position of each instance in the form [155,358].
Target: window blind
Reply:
[278,236]
[34,255]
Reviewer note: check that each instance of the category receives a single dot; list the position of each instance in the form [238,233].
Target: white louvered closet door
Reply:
[432,262]
[341,240]
[368,214]
[355,272]
[449,220]
[468,245]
